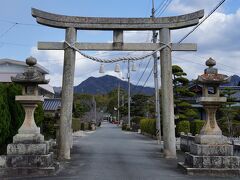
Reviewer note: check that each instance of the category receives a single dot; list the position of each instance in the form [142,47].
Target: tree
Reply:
[142,105]
[227,110]
[183,109]
[82,104]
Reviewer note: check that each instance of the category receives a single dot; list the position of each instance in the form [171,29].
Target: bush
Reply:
[48,127]
[82,126]
[124,127]
[196,126]
[15,108]
[76,124]
[5,116]
[136,119]
[39,115]
[148,126]
[135,123]
[85,126]
[183,126]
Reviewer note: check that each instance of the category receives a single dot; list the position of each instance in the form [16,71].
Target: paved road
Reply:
[111,154]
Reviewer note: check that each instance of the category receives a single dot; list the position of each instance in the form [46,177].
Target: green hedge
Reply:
[136,119]
[124,127]
[196,126]
[76,124]
[12,113]
[148,126]
[183,126]
[85,126]
[48,127]
[5,116]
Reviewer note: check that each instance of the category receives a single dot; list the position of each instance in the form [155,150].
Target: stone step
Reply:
[27,149]
[195,161]
[29,160]
[216,172]
[29,171]
[211,150]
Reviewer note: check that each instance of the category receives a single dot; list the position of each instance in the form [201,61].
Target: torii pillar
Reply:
[118,25]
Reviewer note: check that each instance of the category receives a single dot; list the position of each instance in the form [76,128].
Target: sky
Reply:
[218,37]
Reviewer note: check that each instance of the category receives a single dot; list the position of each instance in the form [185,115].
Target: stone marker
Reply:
[29,153]
[211,154]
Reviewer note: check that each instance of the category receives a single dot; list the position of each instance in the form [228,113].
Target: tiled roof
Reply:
[51,104]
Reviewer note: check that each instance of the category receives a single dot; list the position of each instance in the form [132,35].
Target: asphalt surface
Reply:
[112,154]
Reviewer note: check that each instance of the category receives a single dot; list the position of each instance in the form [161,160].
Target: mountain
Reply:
[235,81]
[105,84]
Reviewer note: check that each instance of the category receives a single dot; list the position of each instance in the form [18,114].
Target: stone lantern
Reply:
[211,100]
[29,100]
[210,154]
[29,153]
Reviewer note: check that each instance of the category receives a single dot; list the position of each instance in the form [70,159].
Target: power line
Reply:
[160,6]
[144,71]
[20,23]
[201,57]
[164,8]
[145,81]
[180,58]
[5,32]
[211,12]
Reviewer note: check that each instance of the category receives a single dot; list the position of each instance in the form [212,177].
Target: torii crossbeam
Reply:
[118,26]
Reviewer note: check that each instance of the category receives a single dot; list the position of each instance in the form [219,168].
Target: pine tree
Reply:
[183,109]
[227,110]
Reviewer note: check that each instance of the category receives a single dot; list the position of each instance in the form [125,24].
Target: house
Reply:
[10,67]
[52,107]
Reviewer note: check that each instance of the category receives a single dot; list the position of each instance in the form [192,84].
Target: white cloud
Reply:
[188,6]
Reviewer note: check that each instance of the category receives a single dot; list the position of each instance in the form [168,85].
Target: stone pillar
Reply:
[167,97]
[29,132]
[67,96]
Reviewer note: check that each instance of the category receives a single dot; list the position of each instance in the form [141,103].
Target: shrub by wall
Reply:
[15,108]
[12,113]
[148,126]
[76,124]
[124,127]
[5,116]
[196,126]
[183,126]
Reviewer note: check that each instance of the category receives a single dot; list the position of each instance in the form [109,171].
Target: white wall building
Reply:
[10,67]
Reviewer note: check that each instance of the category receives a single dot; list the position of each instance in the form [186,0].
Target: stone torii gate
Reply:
[118,25]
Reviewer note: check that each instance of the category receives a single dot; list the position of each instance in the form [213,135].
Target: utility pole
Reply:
[95,109]
[118,103]
[157,102]
[129,95]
